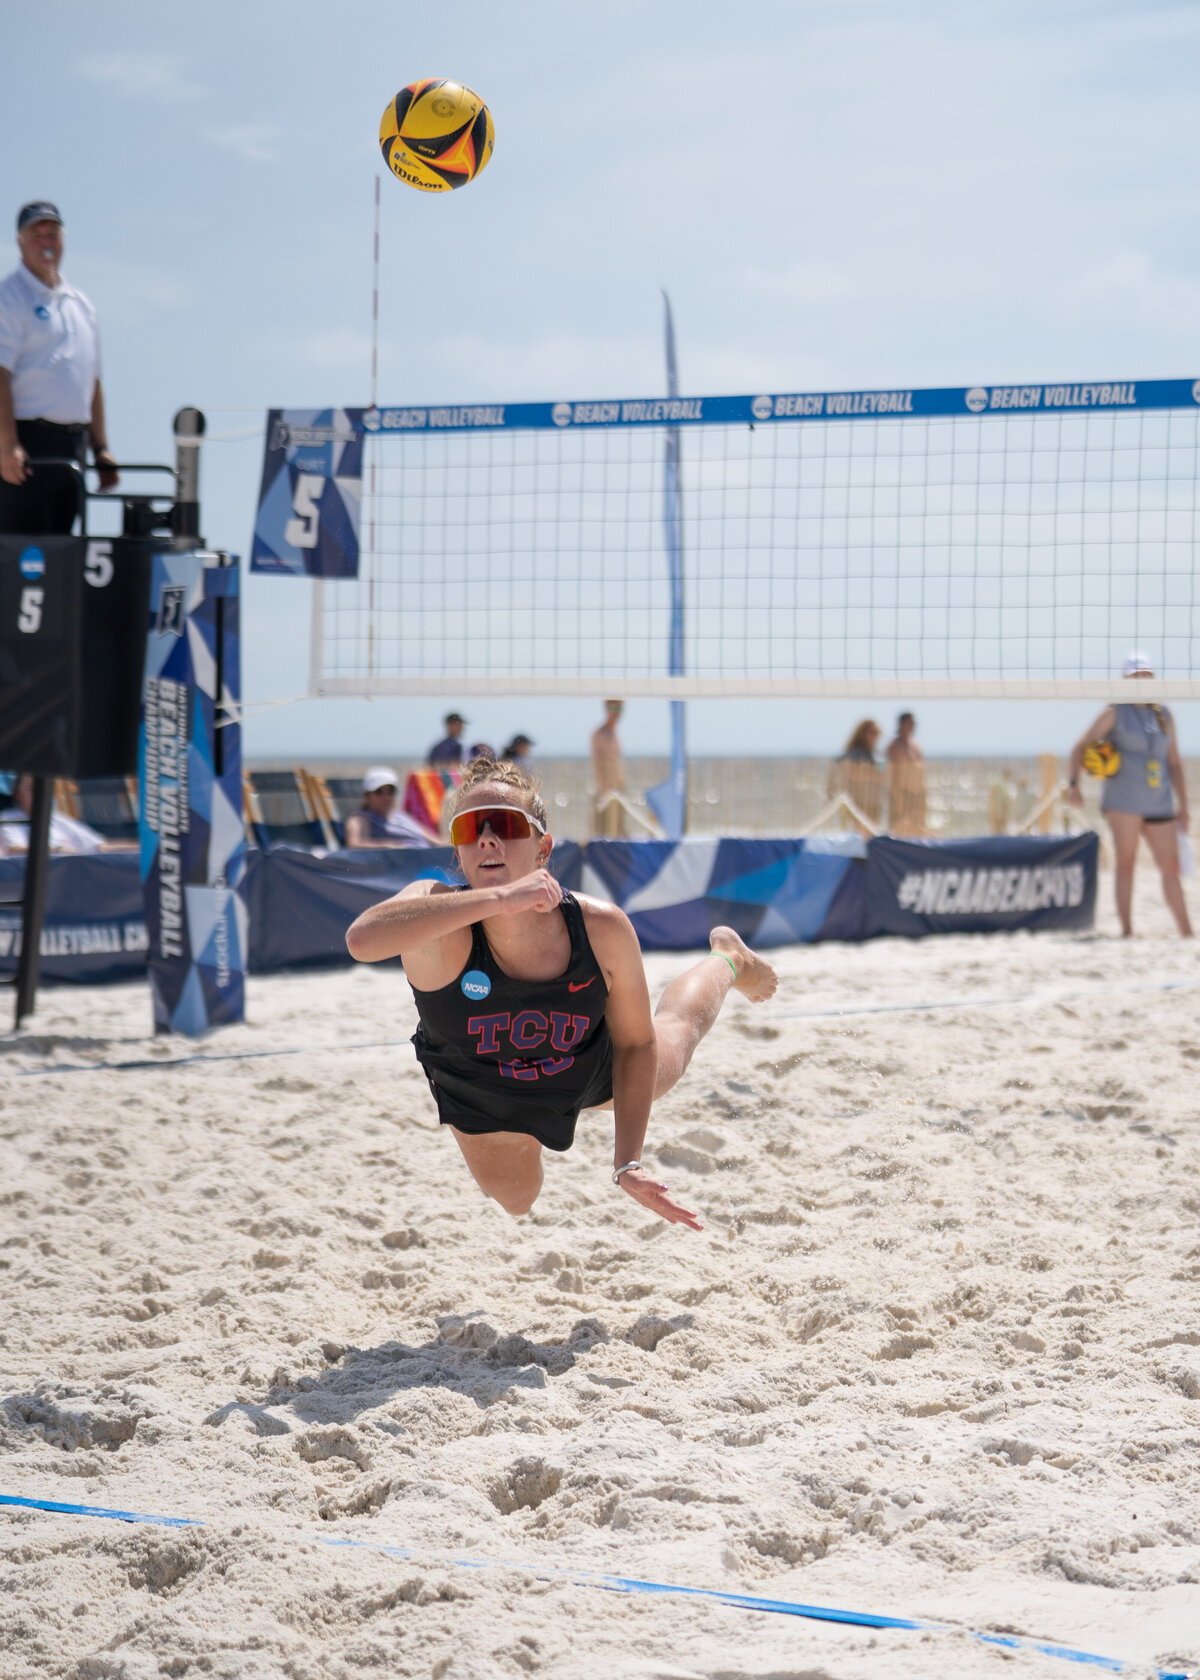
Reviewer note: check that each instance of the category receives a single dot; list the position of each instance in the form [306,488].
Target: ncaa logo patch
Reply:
[475,984]
[32,564]
[371,419]
[1196,391]
[761,408]
[561,414]
[977,399]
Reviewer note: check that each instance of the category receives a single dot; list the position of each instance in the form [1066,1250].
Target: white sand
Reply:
[937,1351]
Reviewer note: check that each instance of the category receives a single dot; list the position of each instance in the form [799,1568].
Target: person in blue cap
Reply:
[51,398]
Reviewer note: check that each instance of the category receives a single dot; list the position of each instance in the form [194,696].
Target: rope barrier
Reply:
[187,1061]
[1055,996]
[632,1584]
[149,1062]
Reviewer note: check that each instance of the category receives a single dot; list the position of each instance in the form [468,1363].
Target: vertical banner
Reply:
[193,844]
[311,493]
[668,800]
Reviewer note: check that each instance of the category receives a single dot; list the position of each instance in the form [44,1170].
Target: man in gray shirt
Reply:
[51,399]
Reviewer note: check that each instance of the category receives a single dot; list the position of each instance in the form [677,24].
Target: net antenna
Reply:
[990,542]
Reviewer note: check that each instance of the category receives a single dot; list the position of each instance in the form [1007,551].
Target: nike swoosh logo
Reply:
[579,985]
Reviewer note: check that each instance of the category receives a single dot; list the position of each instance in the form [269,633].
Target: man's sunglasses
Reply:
[505,822]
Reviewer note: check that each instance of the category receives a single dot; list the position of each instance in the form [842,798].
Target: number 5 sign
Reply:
[308,504]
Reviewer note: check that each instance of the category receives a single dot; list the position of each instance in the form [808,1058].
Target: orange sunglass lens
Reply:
[504,822]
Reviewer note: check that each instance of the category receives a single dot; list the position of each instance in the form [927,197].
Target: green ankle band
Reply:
[729,960]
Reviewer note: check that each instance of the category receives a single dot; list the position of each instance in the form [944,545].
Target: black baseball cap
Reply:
[454,717]
[40,210]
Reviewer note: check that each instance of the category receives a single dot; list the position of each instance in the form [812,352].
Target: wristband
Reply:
[629,1165]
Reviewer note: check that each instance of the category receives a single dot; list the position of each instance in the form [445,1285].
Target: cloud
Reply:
[124,290]
[345,348]
[159,77]
[256,142]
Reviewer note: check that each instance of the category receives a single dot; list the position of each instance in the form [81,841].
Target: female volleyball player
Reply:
[1137,798]
[533,1003]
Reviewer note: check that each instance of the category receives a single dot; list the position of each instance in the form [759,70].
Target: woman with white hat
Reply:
[1145,794]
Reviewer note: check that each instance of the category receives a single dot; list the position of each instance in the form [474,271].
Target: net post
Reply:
[33,898]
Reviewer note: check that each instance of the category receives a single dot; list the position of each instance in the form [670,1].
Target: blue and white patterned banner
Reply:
[193,845]
[311,491]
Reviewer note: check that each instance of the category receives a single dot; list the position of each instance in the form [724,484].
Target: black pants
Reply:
[48,501]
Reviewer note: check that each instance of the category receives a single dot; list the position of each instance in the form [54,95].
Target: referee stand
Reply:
[72,653]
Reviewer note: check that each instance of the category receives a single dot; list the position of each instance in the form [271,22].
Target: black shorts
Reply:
[552,1131]
[48,502]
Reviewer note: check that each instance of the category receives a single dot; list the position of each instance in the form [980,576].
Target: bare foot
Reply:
[756,979]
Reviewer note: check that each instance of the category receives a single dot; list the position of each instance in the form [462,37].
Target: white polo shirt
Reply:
[50,344]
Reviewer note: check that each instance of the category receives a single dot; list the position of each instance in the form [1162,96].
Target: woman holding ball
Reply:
[1145,796]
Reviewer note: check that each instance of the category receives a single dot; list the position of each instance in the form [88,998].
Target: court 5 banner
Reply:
[193,845]
[308,503]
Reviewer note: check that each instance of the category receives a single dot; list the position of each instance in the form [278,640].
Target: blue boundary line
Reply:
[632,1584]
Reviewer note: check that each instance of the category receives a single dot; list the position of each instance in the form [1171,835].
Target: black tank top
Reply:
[530,1053]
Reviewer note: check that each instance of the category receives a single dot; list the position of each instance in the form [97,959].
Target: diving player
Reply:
[533,1002]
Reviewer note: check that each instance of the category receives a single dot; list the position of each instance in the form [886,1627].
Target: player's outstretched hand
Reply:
[653,1195]
[539,891]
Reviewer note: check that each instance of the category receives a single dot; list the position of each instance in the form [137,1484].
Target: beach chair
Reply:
[279,810]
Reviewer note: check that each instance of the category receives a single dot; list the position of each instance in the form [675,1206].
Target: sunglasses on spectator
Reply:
[505,821]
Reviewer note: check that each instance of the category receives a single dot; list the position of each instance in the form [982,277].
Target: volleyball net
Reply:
[996,541]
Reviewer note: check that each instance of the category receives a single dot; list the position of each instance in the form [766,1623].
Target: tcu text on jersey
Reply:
[529,1031]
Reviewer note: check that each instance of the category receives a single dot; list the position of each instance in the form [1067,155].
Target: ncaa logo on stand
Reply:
[475,984]
[761,408]
[561,414]
[32,564]
[977,399]
[170,610]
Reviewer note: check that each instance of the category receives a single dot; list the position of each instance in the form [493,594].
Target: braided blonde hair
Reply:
[491,772]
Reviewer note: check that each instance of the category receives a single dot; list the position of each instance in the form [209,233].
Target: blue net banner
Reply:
[943,402]
[310,495]
[192,842]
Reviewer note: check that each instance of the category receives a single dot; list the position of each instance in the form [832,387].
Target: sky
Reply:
[838,194]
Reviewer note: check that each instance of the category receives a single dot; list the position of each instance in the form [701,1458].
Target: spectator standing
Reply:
[449,750]
[518,750]
[1146,796]
[608,774]
[377,822]
[906,779]
[67,834]
[858,773]
[51,398]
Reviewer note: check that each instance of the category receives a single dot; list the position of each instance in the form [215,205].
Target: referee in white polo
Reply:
[51,400]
